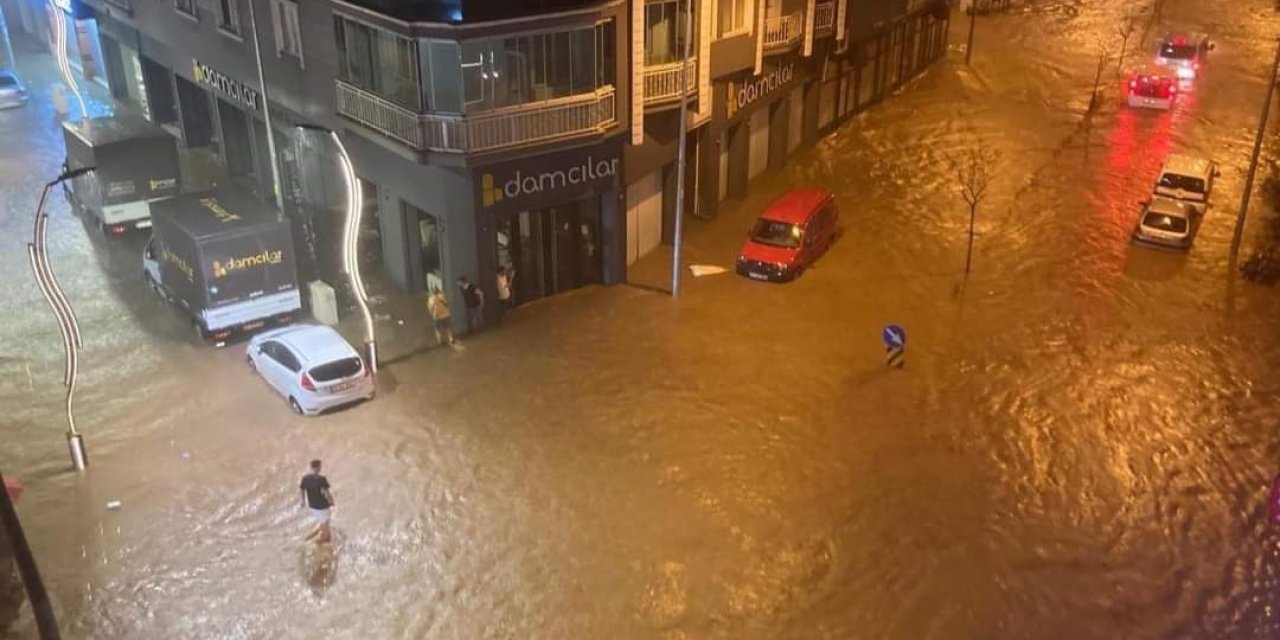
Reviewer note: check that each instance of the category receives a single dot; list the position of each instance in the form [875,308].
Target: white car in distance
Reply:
[312,367]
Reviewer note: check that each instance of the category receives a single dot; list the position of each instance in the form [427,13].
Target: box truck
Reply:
[136,164]
[225,260]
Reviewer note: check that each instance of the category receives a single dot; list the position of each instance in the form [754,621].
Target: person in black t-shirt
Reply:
[316,497]
[473,296]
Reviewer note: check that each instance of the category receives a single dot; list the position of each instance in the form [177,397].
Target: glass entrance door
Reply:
[550,250]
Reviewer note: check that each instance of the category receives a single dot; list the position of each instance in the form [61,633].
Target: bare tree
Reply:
[973,170]
[1097,77]
[1127,24]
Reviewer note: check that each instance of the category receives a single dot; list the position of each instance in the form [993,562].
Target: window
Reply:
[185,7]
[777,234]
[510,71]
[734,17]
[664,31]
[229,16]
[336,370]
[288,36]
[378,61]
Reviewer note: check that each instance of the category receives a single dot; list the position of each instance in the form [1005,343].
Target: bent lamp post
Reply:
[37,252]
[351,239]
[64,66]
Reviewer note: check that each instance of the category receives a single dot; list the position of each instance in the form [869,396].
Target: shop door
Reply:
[237,143]
[644,216]
[552,250]
[827,104]
[759,156]
[116,76]
[194,111]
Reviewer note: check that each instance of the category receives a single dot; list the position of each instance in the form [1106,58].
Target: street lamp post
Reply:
[678,233]
[351,239]
[37,252]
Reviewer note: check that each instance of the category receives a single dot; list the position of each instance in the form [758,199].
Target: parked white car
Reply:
[12,93]
[312,366]
[1184,53]
[1167,222]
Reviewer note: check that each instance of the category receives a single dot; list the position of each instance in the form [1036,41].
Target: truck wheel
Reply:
[293,404]
[199,330]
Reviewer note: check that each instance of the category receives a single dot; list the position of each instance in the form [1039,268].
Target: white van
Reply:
[1188,179]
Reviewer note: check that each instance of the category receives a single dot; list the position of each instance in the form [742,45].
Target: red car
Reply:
[791,233]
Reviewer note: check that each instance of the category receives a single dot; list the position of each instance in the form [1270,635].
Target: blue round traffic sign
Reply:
[894,336]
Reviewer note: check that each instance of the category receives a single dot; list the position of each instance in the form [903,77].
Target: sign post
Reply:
[895,345]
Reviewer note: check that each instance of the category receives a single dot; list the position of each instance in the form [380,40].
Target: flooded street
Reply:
[1080,445]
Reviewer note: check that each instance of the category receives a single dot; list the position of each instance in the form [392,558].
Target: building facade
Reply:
[538,136]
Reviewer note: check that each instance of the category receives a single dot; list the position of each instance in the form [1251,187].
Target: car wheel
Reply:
[293,404]
[199,330]
[248,359]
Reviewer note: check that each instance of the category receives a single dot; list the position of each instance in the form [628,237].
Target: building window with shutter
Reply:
[288,35]
[229,16]
[186,7]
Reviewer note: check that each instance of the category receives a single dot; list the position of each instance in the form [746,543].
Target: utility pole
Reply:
[276,187]
[41,607]
[1253,162]
[973,15]
[682,148]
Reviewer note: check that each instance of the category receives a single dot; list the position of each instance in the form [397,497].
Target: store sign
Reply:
[549,178]
[745,94]
[234,89]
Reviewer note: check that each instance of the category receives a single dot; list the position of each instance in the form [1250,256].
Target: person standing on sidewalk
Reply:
[438,309]
[316,497]
[505,277]
[473,297]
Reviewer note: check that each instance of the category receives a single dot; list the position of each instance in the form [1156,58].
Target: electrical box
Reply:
[324,302]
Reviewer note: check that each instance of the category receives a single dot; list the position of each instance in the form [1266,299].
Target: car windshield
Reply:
[1165,222]
[335,370]
[778,234]
[1178,51]
[8,81]
[1185,183]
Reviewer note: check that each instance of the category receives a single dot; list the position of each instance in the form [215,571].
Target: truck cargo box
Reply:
[135,162]
[221,248]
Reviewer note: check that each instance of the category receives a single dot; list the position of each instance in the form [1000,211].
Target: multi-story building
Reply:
[539,135]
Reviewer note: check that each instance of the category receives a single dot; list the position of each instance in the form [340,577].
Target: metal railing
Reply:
[824,19]
[498,128]
[379,114]
[662,81]
[783,31]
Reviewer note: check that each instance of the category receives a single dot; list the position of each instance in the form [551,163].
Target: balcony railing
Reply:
[824,19]
[499,128]
[662,81]
[783,31]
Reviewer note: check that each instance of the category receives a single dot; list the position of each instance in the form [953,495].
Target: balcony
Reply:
[783,31]
[515,126]
[662,81]
[824,19]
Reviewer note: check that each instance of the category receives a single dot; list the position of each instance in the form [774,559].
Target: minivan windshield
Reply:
[335,370]
[777,234]
[1178,51]
[1165,222]
[1185,183]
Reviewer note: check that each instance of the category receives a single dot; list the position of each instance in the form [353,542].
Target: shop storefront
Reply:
[555,217]
[84,51]
[759,122]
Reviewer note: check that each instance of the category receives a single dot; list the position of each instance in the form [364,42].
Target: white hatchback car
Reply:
[312,366]
[1187,178]
[1167,222]
[12,93]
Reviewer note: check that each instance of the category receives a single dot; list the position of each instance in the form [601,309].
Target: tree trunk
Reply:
[968,258]
[968,49]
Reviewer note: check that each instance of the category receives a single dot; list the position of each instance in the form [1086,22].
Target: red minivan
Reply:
[791,233]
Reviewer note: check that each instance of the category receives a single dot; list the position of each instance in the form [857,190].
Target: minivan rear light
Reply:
[307,383]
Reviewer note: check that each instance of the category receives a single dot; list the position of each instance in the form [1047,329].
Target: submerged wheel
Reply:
[293,404]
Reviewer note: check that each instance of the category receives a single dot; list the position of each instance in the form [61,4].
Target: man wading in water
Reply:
[316,497]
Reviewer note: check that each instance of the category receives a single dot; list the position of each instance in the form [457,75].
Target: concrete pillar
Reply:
[708,159]
[779,124]
[738,138]
[613,234]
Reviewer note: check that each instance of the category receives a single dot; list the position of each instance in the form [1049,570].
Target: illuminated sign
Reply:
[220,82]
[743,95]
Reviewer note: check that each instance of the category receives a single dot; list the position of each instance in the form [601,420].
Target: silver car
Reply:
[12,93]
[1167,222]
[312,366]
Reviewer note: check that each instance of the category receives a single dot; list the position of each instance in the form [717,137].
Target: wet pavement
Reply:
[1080,446]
